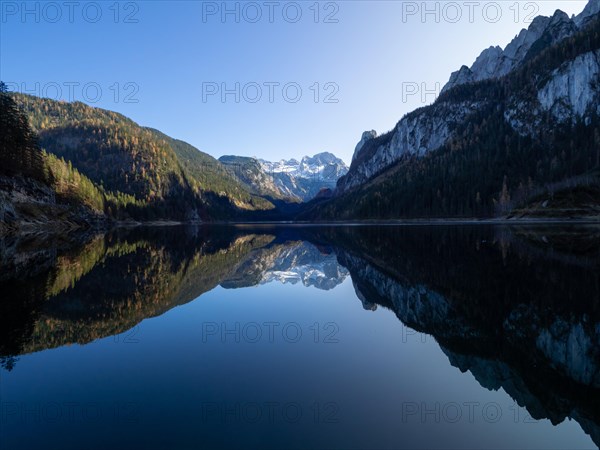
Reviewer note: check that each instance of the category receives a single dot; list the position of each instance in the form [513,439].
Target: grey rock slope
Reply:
[250,172]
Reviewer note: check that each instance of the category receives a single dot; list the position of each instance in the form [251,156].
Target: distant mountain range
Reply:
[288,179]
[517,126]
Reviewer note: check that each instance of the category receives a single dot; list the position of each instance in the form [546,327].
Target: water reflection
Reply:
[518,308]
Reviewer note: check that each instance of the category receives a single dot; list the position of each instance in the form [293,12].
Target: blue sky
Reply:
[347,66]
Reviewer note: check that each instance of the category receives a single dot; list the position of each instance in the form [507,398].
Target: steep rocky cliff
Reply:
[541,90]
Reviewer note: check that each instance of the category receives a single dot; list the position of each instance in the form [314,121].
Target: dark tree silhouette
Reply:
[20,153]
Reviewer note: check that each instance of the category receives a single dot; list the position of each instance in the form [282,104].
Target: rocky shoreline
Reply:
[27,206]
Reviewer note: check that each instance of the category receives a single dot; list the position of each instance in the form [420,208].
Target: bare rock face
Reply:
[417,133]
[572,92]
[569,94]
[28,206]
[590,10]
[366,137]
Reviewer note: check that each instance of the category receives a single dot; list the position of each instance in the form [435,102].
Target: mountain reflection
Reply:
[290,262]
[519,308]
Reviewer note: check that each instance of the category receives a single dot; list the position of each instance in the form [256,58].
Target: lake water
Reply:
[302,337]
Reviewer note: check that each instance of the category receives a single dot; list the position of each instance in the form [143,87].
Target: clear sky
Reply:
[359,65]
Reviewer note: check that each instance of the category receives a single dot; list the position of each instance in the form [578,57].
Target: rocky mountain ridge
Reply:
[288,179]
[568,92]
[495,62]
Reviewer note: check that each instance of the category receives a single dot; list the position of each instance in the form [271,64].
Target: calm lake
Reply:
[302,337]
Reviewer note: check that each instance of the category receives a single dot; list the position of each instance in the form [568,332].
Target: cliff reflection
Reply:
[518,308]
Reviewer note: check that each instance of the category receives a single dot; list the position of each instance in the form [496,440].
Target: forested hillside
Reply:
[169,179]
[36,187]
[252,174]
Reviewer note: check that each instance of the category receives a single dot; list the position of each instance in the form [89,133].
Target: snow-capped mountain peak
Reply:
[305,178]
